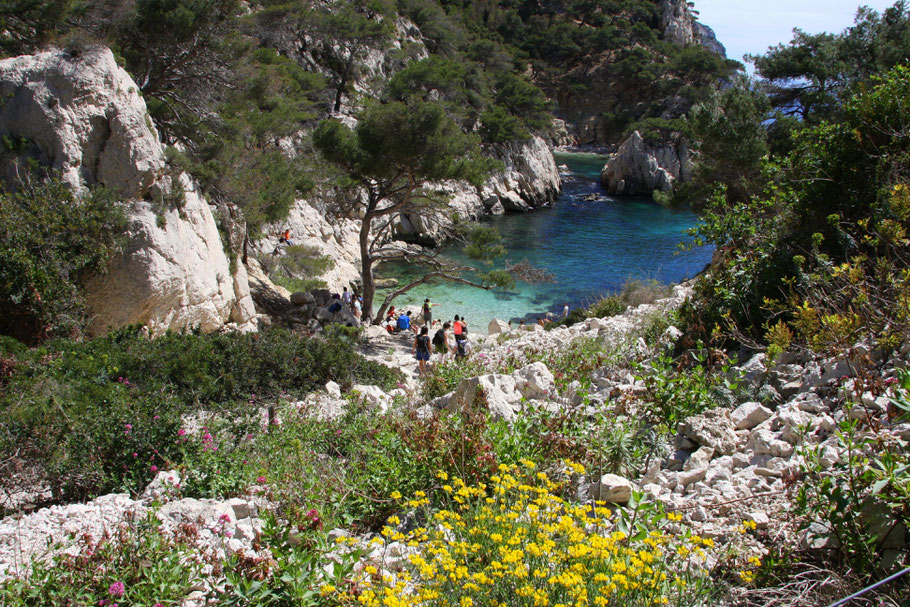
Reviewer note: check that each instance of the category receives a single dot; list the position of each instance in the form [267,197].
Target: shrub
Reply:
[98,416]
[607,306]
[51,242]
[682,388]
[299,572]
[859,505]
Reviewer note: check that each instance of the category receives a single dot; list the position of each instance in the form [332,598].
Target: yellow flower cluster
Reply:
[517,543]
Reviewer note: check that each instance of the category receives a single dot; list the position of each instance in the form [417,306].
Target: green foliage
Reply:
[397,139]
[296,573]
[682,388]
[27,24]
[813,73]
[861,501]
[295,267]
[104,414]
[395,153]
[149,566]
[606,307]
[824,248]
[634,292]
[732,141]
[52,242]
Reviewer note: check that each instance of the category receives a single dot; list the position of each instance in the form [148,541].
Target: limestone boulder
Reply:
[639,168]
[612,489]
[534,381]
[498,326]
[499,392]
[748,415]
[713,428]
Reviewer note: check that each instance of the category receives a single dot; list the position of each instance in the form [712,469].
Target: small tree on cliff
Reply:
[392,156]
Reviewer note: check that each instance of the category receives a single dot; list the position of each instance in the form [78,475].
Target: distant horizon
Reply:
[745,27]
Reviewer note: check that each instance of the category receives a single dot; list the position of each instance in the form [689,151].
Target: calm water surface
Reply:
[590,242]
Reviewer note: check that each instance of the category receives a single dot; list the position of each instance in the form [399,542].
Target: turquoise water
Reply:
[590,246]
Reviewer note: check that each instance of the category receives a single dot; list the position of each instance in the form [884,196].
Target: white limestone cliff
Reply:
[529,180]
[84,117]
[638,168]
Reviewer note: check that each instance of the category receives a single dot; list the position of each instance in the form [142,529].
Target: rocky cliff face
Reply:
[639,168]
[529,180]
[83,116]
[681,27]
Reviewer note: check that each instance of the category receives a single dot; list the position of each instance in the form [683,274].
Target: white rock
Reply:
[691,476]
[748,415]
[86,118]
[699,459]
[612,489]
[534,381]
[500,393]
[713,428]
[333,389]
[165,483]
[498,326]
[372,395]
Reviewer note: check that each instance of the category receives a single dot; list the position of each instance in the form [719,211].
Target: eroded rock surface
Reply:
[84,117]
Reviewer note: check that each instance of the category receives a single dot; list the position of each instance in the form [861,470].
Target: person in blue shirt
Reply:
[404,322]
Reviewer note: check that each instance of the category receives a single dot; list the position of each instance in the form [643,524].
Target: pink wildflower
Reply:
[260,479]
[154,468]
[117,589]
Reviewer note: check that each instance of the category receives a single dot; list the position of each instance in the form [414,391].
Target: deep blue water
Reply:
[591,247]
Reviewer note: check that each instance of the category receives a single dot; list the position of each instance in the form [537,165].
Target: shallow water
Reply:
[591,247]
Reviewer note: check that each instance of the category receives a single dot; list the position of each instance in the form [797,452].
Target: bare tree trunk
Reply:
[366,269]
[343,83]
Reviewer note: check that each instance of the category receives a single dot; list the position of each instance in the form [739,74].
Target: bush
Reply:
[105,414]
[860,504]
[51,242]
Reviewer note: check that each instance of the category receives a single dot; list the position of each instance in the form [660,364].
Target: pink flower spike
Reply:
[154,468]
[181,432]
[117,589]
[260,479]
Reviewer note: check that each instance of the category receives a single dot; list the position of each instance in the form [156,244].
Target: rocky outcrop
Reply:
[680,27]
[529,180]
[639,168]
[708,39]
[676,22]
[313,226]
[84,117]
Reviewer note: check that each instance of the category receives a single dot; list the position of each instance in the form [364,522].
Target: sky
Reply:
[750,26]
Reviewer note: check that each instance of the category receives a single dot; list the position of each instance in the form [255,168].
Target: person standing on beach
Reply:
[428,312]
[421,350]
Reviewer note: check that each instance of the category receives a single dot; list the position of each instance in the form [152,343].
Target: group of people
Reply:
[440,344]
[350,300]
